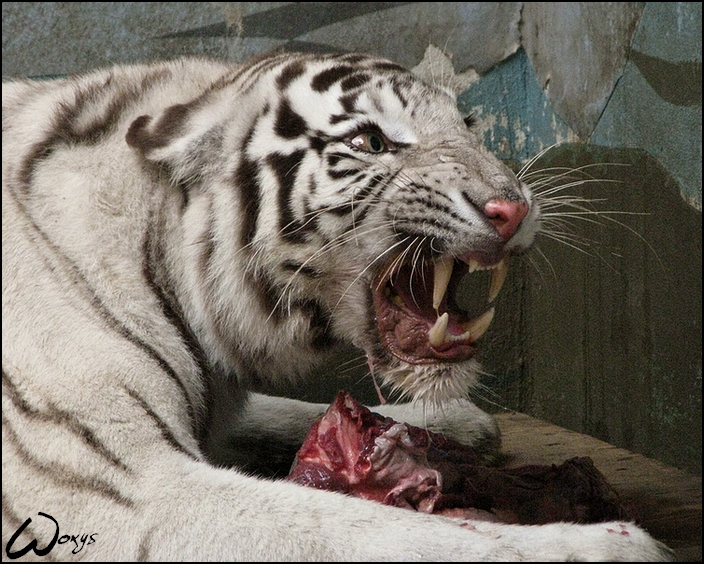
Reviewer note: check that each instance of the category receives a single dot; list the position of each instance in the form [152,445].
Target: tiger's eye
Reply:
[369,142]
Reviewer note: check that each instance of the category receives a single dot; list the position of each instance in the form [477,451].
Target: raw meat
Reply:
[352,450]
[361,453]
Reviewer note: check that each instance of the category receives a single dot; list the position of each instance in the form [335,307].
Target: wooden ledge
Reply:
[668,500]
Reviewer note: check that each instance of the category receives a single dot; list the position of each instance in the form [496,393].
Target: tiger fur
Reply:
[176,235]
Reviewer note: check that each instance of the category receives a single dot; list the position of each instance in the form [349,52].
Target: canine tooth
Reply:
[473,265]
[498,277]
[443,272]
[436,334]
[478,326]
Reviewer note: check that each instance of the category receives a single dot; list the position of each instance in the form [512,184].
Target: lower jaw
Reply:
[421,352]
[434,382]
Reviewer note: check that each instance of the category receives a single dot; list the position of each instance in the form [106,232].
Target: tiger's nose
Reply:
[506,216]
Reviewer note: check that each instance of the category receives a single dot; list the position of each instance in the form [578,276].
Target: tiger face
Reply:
[361,198]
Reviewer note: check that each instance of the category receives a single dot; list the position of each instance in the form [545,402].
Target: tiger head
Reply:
[347,198]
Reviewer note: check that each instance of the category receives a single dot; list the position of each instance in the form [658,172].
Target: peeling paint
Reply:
[513,113]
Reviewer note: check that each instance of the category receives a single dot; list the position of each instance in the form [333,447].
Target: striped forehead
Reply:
[335,98]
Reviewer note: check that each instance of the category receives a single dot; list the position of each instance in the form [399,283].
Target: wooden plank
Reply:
[668,500]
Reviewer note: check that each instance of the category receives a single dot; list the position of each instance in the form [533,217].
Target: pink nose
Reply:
[505,216]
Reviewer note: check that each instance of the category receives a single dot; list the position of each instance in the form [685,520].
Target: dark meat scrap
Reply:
[352,450]
[358,452]
[573,491]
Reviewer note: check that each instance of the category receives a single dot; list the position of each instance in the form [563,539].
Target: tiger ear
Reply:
[173,138]
[436,68]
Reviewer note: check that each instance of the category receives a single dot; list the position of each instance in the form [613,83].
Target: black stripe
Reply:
[319,328]
[37,153]
[365,191]
[66,115]
[340,210]
[269,296]
[319,320]
[154,273]
[399,94]
[286,168]
[365,196]
[343,173]
[74,276]
[312,189]
[289,124]
[299,268]
[161,362]
[62,475]
[318,142]
[62,119]
[170,125]
[325,79]
[357,205]
[355,81]
[352,58]
[254,67]
[311,216]
[121,99]
[389,66]
[144,547]
[247,182]
[289,74]
[61,418]
[206,244]
[206,262]
[338,118]
[253,71]
[349,102]
[166,433]
[334,158]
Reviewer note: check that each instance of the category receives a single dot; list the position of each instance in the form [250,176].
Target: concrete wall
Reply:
[600,332]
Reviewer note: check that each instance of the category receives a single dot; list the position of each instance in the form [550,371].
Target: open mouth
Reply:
[417,315]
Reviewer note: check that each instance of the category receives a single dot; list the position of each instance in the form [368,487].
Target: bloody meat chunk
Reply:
[355,451]
[361,453]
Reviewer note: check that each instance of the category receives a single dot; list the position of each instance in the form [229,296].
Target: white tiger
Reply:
[177,234]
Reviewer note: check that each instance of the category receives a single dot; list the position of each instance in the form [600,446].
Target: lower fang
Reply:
[475,328]
[436,334]
[478,326]
[498,277]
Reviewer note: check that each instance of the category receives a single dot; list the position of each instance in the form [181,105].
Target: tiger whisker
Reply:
[364,270]
[534,263]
